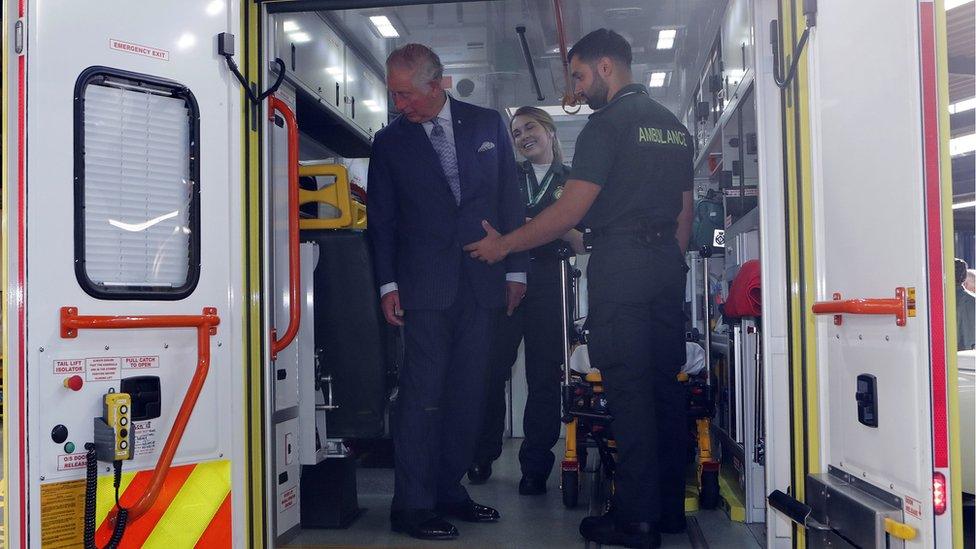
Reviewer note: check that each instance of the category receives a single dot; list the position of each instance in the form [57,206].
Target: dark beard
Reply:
[599,93]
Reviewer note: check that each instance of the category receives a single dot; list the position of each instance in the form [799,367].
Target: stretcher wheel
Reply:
[708,494]
[570,484]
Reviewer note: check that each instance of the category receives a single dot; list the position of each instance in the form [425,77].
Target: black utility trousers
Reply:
[636,340]
[539,321]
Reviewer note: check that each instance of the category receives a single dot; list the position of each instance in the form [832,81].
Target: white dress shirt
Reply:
[446,122]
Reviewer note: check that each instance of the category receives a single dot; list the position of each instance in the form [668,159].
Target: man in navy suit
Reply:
[435,173]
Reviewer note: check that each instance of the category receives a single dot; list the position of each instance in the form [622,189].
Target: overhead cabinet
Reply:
[332,71]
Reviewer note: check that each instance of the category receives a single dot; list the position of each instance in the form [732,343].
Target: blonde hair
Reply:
[543,118]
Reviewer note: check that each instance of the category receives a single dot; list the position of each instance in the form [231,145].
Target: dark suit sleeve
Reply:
[511,206]
[381,212]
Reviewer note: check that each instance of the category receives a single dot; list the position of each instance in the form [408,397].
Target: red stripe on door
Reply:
[21,258]
[933,228]
[137,532]
[218,533]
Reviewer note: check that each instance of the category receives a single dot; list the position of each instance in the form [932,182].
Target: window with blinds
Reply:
[136,186]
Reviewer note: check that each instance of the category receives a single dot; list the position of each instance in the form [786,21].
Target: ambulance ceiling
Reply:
[483,58]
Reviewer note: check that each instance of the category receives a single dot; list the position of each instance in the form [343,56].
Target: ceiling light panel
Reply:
[665,38]
[384,26]
[657,79]
[963,106]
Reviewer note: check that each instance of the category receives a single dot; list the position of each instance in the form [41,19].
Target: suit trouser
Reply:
[636,340]
[539,320]
[440,402]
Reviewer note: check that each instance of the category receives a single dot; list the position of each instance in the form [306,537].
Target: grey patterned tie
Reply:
[447,154]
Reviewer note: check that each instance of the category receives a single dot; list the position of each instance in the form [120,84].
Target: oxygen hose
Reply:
[91,495]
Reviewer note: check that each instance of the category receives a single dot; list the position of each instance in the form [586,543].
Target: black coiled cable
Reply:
[91,495]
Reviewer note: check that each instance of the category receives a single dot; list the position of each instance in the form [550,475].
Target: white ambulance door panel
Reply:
[288,476]
[872,236]
[133,168]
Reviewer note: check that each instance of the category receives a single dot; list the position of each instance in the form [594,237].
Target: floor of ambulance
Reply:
[526,521]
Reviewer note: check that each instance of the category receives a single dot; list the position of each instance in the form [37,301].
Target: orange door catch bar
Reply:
[897,306]
[294,266]
[206,326]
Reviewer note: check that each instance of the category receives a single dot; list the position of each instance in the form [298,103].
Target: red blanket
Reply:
[745,295]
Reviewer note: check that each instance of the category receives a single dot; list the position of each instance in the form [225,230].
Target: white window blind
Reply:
[137,188]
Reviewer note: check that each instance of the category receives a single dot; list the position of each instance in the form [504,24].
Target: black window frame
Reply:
[98,75]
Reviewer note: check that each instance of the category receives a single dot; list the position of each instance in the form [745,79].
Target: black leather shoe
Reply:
[606,531]
[532,486]
[430,528]
[479,473]
[469,511]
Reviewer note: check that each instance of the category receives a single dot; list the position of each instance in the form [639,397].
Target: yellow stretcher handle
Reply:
[351,214]
[900,530]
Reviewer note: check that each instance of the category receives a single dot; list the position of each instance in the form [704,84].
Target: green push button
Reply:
[69,447]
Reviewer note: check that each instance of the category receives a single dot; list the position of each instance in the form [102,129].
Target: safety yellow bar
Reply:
[900,530]
[351,214]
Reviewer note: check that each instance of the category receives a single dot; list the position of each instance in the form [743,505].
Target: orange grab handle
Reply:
[863,306]
[569,99]
[294,266]
[206,326]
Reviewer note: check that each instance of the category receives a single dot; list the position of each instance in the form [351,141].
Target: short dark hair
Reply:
[602,43]
[961,267]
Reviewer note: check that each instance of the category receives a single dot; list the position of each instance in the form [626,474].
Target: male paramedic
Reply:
[630,183]
[435,172]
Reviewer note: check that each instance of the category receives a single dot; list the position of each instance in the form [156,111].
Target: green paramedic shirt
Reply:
[641,156]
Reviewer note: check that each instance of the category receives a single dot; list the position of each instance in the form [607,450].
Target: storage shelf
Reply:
[730,109]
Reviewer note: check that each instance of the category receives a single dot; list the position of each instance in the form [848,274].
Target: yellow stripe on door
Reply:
[193,508]
[106,493]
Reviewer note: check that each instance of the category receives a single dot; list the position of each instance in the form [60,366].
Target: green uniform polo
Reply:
[641,155]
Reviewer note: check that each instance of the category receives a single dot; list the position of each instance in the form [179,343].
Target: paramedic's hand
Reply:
[390,303]
[575,240]
[491,249]
[515,292]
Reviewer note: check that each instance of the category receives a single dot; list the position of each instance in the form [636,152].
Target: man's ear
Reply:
[605,67]
[436,86]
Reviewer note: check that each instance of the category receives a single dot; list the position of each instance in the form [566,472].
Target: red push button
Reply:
[74,383]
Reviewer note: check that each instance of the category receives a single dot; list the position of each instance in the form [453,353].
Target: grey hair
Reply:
[425,64]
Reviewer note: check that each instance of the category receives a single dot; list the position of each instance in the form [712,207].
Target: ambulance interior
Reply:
[330,378]
[698,59]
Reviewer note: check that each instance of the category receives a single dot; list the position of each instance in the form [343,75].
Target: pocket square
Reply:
[486,146]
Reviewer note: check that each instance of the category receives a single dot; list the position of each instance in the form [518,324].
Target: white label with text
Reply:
[67,462]
[69,366]
[140,362]
[104,368]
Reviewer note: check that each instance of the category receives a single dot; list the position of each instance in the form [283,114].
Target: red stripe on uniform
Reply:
[218,533]
[137,532]
[933,227]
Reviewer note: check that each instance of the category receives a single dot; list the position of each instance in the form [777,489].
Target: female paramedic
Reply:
[538,319]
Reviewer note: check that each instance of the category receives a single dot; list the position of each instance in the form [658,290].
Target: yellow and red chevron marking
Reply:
[192,510]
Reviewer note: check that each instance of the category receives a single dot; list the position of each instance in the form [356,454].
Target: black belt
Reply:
[646,232]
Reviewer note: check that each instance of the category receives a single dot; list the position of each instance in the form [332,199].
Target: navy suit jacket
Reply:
[417,229]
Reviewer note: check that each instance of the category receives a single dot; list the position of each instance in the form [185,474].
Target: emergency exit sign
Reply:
[138,49]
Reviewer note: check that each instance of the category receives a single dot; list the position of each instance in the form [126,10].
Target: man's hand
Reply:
[575,240]
[390,303]
[515,292]
[491,249]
